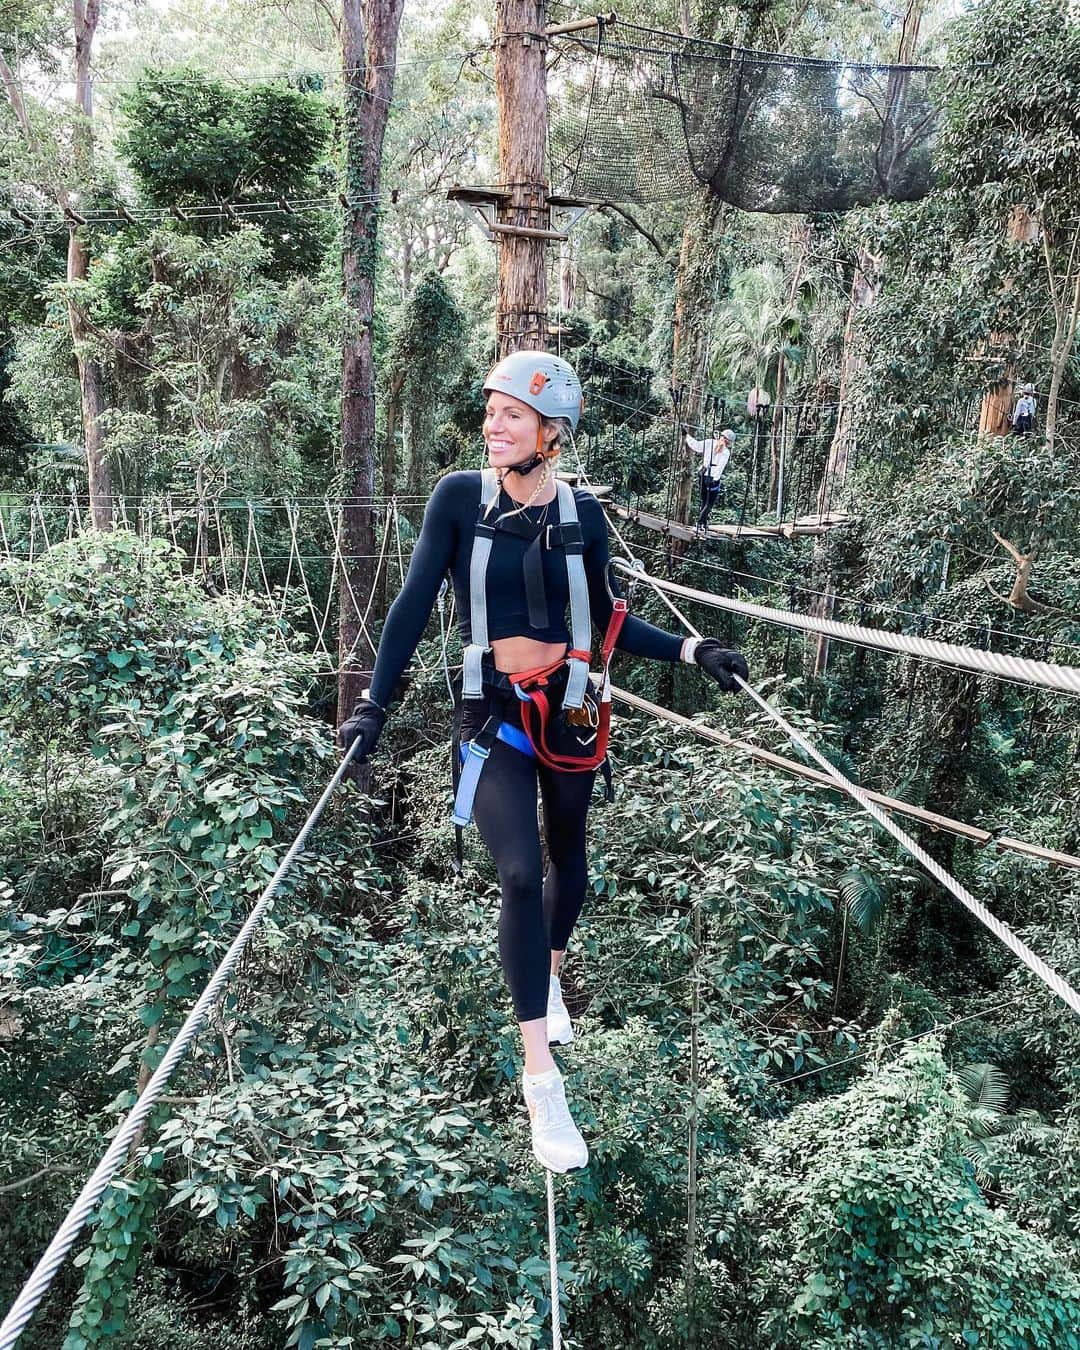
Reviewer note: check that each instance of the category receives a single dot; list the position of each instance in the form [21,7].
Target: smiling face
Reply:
[510,431]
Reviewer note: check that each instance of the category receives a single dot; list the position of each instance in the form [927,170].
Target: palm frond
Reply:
[863,899]
[986,1087]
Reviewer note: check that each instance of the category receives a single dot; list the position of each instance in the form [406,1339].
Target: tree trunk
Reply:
[701,265]
[1066,320]
[521,96]
[567,280]
[369,34]
[864,290]
[865,286]
[91,382]
[995,414]
[800,234]
[996,410]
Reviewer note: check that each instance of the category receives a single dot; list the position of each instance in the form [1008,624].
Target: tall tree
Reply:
[523,215]
[865,287]
[369,34]
[64,190]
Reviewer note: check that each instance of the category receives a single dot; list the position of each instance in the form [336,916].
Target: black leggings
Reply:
[538,912]
[710,493]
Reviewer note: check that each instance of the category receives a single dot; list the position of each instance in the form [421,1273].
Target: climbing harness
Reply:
[566,719]
[573,740]
[566,535]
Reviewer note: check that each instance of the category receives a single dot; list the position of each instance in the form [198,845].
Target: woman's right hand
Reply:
[362,728]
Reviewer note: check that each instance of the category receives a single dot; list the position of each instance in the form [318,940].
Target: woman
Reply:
[714,460]
[519,614]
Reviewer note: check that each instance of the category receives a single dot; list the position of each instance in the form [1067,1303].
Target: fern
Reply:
[986,1088]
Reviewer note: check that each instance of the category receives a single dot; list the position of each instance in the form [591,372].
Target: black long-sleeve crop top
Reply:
[445,545]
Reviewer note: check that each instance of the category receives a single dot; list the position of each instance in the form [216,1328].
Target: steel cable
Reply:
[43,1274]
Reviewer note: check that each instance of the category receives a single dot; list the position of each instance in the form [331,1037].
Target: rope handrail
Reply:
[1044,674]
[1001,931]
[43,1274]
[1055,982]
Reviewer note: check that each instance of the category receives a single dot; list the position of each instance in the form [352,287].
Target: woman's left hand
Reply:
[721,664]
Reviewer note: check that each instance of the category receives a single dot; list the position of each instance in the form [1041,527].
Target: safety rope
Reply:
[1020,668]
[553,1258]
[1035,672]
[1001,931]
[43,1274]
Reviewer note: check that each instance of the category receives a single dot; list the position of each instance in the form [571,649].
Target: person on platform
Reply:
[713,454]
[1023,418]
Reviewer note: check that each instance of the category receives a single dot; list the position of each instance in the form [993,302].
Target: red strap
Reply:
[538,673]
[619,611]
[535,716]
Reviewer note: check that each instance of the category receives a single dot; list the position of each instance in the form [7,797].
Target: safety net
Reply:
[645,116]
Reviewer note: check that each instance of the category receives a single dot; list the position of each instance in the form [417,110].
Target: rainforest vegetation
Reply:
[825,1106]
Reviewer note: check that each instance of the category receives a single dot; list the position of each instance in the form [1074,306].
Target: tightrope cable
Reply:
[43,1274]
[553,1258]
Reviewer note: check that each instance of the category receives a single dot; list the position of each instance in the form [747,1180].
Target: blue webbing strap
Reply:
[474,756]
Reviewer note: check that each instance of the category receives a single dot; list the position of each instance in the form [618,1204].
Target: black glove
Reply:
[721,664]
[363,726]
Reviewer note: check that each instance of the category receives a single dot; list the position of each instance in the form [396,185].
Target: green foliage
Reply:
[870,1231]
[1011,124]
[425,367]
[192,140]
[863,898]
[124,1225]
[760,328]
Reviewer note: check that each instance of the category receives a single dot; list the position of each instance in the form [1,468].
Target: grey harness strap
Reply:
[472,675]
[577,681]
[580,618]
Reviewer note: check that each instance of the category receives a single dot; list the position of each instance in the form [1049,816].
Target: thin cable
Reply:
[43,1274]
[904,1040]
[553,1258]
[1001,931]
[1043,674]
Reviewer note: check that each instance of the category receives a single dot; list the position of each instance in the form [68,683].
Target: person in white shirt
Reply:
[1023,418]
[715,454]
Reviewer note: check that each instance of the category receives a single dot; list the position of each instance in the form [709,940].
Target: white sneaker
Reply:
[556,1140]
[559,1028]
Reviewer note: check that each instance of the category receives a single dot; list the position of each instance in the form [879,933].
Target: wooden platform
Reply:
[801,527]
[597,489]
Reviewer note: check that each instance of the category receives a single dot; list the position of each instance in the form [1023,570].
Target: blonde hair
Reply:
[563,430]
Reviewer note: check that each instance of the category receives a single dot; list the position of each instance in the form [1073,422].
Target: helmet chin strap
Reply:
[541,456]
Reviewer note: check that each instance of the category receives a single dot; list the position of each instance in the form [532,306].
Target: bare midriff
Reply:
[515,654]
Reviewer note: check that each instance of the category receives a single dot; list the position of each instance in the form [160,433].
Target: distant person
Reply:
[715,454]
[1023,418]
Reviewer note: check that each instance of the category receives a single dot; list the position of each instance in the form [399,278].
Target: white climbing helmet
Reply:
[728,435]
[546,383]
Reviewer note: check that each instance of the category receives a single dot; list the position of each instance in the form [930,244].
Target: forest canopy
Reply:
[247,310]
